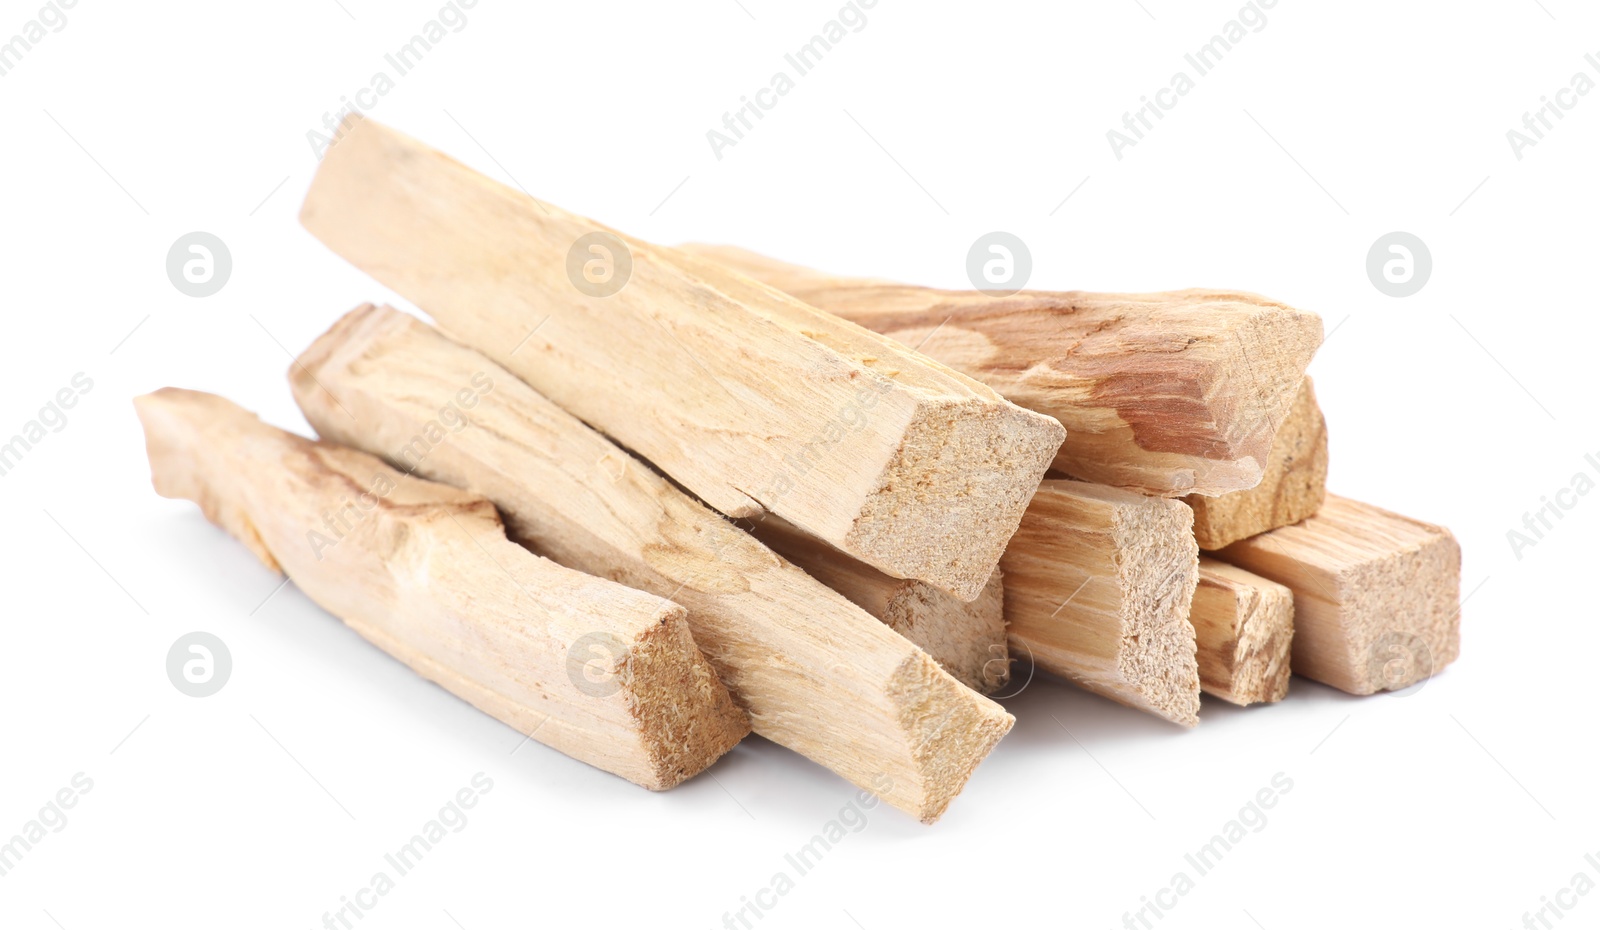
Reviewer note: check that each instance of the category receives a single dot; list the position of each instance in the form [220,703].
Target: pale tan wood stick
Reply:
[1377,596]
[1099,583]
[425,572]
[967,639]
[1168,393]
[1243,627]
[816,673]
[1291,489]
[748,398]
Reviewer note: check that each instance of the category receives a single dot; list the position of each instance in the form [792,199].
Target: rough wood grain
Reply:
[1170,393]
[816,673]
[748,398]
[425,573]
[1291,489]
[1243,628]
[1099,583]
[967,639]
[1377,596]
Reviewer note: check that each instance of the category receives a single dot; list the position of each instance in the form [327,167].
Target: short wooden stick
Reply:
[751,399]
[1377,596]
[1171,394]
[425,573]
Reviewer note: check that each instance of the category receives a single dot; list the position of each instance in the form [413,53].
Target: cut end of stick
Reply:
[950,499]
[1292,487]
[1099,583]
[1158,565]
[1262,358]
[687,719]
[949,729]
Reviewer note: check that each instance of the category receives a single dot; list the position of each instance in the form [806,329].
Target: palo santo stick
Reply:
[1171,393]
[425,573]
[816,673]
[1377,596]
[968,640]
[1292,488]
[1098,589]
[1243,627]
[748,398]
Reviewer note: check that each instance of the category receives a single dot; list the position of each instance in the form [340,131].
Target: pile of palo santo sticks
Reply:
[728,497]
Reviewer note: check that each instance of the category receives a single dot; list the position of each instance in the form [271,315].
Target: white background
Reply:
[1460,805]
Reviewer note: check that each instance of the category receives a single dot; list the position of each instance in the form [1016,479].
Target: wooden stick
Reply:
[816,673]
[425,573]
[1376,595]
[1171,394]
[748,398]
[968,640]
[1292,488]
[1099,583]
[1243,627]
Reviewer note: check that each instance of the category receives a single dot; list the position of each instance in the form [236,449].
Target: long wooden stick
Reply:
[1171,394]
[967,639]
[1099,583]
[425,572]
[1243,628]
[1291,489]
[816,673]
[1377,596]
[748,398]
